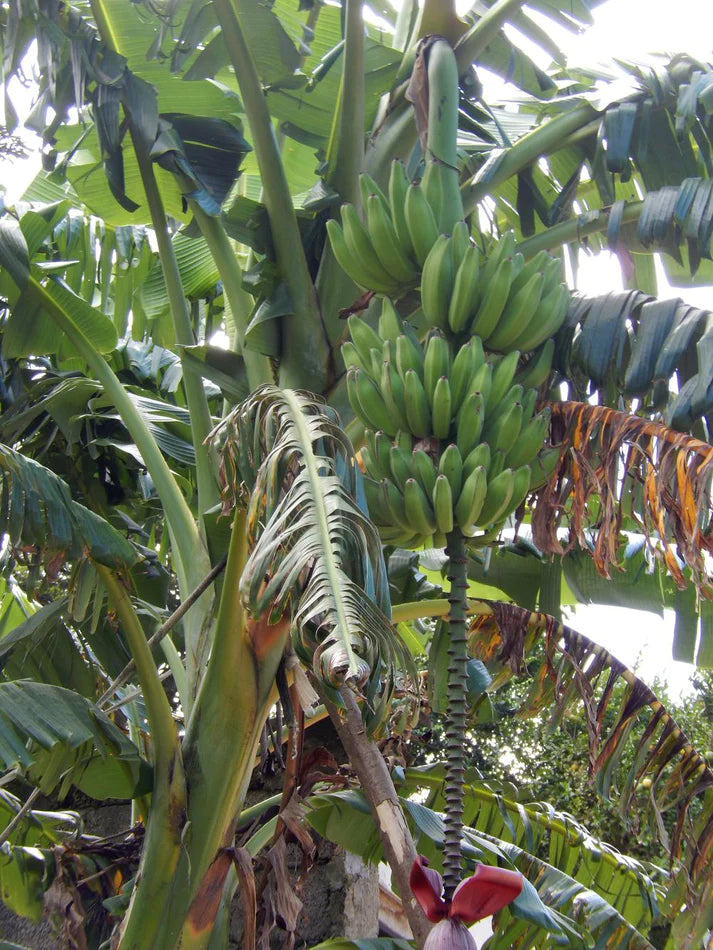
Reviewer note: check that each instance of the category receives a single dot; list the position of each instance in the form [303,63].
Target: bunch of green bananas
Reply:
[385,251]
[509,303]
[451,439]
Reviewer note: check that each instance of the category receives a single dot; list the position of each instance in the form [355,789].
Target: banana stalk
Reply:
[441,146]
[456,712]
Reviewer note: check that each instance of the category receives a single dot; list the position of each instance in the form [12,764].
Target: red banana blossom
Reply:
[479,896]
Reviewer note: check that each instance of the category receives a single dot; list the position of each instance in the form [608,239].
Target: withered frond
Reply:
[615,466]
[576,670]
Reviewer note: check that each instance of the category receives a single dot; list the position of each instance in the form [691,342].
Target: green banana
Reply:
[388,351]
[353,266]
[393,394]
[432,187]
[502,249]
[538,367]
[512,395]
[382,453]
[517,316]
[398,187]
[393,502]
[471,498]
[404,440]
[518,264]
[366,400]
[450,464]
[362,250]
[423,470]
[479,456]
[497,498]
[443,504]
[390,324]
[421,223]
[398,538]
[441,413]
[376,362]
[482,381]
[469,424]
[400,466]
[409,355]
[377,510]
[497,463]
[367,187]
[521,486]
[437,282]
[441,143]
[418,508]
[463,369]
[549,318]
[536,265]
[493,300]
[504,431]
[438,540]
[368,462]
[466,291]
[544,466]
[364,339]
[528,400]
[417,412]
[352,357]
[386,243]
[436,362]
[502,378]
[554,275]
[461,242]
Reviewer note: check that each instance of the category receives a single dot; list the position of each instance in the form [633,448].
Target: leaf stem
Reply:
[346,153]
[196,399]
[483,32]
[162,847]
[224,728]
[257,365]
[165,628]
[544,139]
[304,348]
[575,229]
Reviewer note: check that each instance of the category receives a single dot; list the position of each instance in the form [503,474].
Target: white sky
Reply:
[628,30]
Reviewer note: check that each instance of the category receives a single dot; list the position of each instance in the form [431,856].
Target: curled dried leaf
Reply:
[615,465]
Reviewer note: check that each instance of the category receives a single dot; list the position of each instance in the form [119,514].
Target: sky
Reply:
[629,30]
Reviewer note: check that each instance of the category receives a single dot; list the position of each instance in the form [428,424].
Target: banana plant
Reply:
[193,455]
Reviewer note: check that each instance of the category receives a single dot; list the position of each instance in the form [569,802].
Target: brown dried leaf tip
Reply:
[616,466]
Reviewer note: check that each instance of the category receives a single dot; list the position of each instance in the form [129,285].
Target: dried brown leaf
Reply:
[614,464]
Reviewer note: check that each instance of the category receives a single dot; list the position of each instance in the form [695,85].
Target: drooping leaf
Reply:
[37,508]
[313,551]
[51,717]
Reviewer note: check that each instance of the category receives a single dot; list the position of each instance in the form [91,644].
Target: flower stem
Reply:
[456,712]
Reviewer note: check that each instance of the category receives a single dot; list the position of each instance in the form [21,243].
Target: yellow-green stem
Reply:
[540,141]
[161,852]
[347,154]
[257,365]
[224,728]
[304,347]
